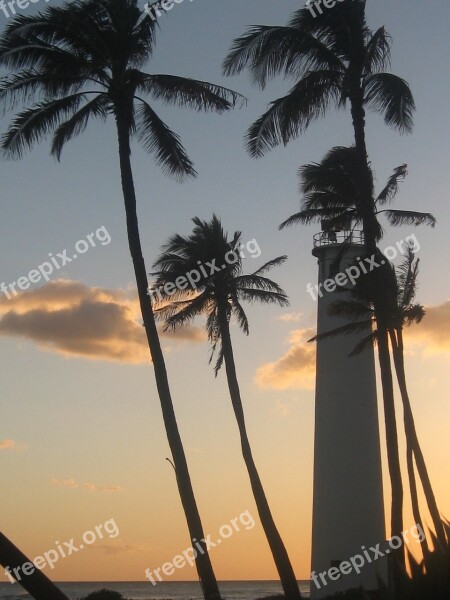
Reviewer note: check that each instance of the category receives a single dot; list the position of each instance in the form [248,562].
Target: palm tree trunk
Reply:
[279,553]
[411,474]
[369,218]
[415,498]
[36,584]
[411,434]
[391,442]
[203,562]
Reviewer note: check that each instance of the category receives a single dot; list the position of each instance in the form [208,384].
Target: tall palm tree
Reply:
[334,58]
[219,296]
[84,61]
[332,190]
[407,313]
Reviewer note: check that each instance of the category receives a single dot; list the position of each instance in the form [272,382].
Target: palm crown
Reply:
[333,190]
[84,60]
[219,294]
[333,58]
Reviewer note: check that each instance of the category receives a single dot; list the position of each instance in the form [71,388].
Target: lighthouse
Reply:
[348,510]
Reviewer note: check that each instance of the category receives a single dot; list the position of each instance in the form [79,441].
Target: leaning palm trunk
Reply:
[392,442]
[411,434]
[369,220]
[279,553]
[37,584]
[415,497]
[203,563]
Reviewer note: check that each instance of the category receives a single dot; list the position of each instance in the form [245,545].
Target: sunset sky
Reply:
[81,433]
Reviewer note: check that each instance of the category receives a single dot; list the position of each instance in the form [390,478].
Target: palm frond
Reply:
[33,124]
[78,123]
[369,340]
[351,309]
[276,262]
[263,296]
[409,217]
[188,312]
[378,51]
[290,115]
[157,138]
[390,190]
[391,96]
[25,85]
[190,93]
[348,329]
[241,317]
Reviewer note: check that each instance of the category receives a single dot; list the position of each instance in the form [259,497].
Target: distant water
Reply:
[178,590]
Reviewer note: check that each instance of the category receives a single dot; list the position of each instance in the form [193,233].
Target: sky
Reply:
[81,435]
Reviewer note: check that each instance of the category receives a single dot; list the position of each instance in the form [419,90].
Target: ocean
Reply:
[178,590]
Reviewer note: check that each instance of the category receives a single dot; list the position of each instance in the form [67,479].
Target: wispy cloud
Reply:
[291,317]
[433,333]
[73,319]
[295,369]
[90,487]
[116,549]
[12,445]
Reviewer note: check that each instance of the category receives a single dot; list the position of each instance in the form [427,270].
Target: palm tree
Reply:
[84,60]
[332,190]
[334,58]
[407,313]
[219,297]
[36,583]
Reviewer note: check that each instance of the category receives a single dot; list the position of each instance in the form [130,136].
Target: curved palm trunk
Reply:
[279,553]
[203,563]
[395,474]
[411,435]
[36,584]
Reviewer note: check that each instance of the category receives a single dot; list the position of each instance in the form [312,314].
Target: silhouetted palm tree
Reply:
[332,190]
[334,58]
[36,584]
[83,61]
[219,296]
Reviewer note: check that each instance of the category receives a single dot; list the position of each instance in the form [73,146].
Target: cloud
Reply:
[281,409]
[295,369]
[291,317]
[73,319]
[90,487]
[7,444]
[433,333]
[115,550]
[12,445]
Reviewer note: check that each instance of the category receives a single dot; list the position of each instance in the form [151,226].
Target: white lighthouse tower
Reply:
[348,511]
